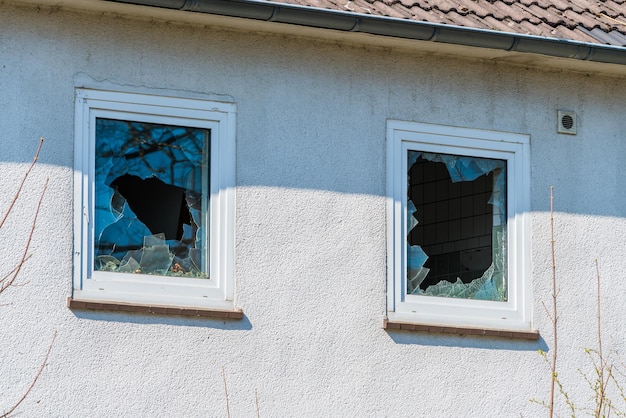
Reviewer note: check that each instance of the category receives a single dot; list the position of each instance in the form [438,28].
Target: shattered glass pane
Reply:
[456,226]
[151,198]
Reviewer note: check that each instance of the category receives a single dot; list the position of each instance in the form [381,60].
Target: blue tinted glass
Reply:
[151,194]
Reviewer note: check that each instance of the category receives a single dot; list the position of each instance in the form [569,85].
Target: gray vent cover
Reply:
[566,123]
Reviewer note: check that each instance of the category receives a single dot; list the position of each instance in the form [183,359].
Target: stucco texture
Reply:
[310,229]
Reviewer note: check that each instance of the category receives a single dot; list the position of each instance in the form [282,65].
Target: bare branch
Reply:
[554,315]
[258,410]
[601,395]
[6,276]
[13,274]
[32,384]
[225,391]
[19,189]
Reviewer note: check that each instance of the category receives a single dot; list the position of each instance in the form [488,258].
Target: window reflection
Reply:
[151,198]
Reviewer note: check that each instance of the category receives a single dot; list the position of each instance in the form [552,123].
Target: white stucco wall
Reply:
[310,226]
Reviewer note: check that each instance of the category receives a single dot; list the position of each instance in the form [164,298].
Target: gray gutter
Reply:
[399,28]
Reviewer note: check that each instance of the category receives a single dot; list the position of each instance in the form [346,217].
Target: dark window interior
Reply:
[160,206]
[455,222]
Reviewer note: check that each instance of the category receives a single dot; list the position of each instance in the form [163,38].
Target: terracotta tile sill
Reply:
[486,332]
[156,310]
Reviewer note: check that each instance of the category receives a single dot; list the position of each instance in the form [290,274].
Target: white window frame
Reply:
[514,314]
[216,292]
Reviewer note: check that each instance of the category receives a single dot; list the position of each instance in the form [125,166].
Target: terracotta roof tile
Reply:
[497,24]
[563,5]
[420,14]
[595,21]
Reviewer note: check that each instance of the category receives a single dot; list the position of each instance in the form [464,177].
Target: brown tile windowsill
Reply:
[156,310]
[486,332]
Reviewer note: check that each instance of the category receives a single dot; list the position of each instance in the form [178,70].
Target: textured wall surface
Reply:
[310,226]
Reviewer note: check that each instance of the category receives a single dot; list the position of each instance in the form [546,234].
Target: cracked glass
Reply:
[456,226]
[151,198]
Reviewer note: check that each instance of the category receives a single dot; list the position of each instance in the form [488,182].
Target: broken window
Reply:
[456,226]
[151,198]
[154,199]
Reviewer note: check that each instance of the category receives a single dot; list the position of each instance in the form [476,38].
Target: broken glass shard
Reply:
[156,257]
[130,265]
[107,263]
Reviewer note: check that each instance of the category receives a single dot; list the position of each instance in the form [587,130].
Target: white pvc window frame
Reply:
[216,292]
[514,314]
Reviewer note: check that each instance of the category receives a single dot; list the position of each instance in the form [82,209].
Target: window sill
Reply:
[485,332]
[153,309]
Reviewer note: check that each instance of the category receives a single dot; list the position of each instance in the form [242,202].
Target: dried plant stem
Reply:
[32,384]
[554,315]
[258,410]
[601,387]
[604,370]
[226,392]
[6,276]
[615,21]
[19,189]
[9,278]
[603,367]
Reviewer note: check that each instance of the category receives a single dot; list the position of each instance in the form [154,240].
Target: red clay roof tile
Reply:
[594,21]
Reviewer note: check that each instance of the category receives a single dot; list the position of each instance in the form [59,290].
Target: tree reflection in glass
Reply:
[151,198]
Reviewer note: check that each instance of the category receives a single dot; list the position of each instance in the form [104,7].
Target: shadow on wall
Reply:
[243,324]
[463,341]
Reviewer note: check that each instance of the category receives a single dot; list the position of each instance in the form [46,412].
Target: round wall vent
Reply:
[566,122]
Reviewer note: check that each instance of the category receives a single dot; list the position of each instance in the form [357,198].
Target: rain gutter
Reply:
[394,27]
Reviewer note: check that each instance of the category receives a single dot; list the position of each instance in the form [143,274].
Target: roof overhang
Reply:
[373,30]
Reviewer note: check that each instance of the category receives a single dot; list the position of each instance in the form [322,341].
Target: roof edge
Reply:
[394,27]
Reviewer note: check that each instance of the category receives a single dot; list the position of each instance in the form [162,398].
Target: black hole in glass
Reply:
[160,206]
[455,223]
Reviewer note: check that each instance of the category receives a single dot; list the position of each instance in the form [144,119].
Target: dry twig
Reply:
[554,315]
[32,384]
[19,189]
[226,392]
[9,278]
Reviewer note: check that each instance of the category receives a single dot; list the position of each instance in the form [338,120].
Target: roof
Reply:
[590,34]
[592,21]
